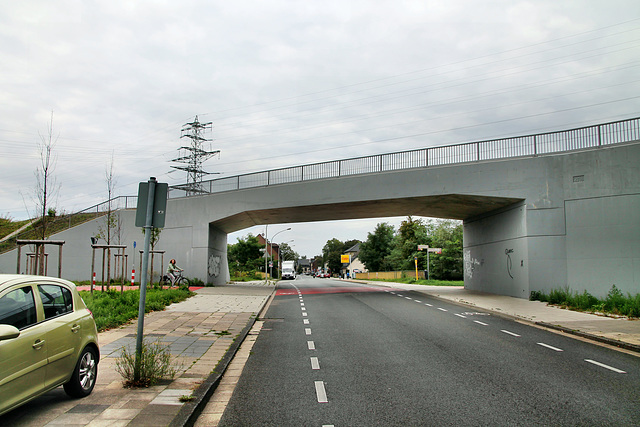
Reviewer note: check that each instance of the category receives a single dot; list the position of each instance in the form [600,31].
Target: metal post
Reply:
[18,263]
[93,265]
[265,253]
[60,261]
[143,278]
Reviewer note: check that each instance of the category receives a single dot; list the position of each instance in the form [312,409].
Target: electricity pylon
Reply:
[193,156]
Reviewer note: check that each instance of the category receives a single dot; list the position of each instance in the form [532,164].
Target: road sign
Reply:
[159,204]
[435,250]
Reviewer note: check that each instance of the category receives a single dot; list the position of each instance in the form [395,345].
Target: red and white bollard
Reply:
[94,278]
[133,275]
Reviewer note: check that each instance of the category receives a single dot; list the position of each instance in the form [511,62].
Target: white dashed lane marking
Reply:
[311,345]
[602,365]
[321,393]
[549,346]
[305,321]
[480,323]
[315,364]
[459,315]
[442,309]
[513,334]
[307,331]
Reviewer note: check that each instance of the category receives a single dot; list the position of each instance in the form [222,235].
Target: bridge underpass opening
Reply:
[312,226]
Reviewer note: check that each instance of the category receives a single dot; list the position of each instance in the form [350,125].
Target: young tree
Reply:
[111,228]
[377,247]
[46,186]
[153,241]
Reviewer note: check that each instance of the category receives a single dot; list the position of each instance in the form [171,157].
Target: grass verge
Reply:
[111,308]
[615,302]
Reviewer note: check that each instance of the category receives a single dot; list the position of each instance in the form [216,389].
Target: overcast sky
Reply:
[294,82]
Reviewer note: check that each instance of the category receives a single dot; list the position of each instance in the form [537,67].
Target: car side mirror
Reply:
[8,332]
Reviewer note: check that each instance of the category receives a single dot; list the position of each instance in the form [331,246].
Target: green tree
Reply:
[287,253]
[447,234]
[331,254]
[245,255]
[411,233]
[374,251]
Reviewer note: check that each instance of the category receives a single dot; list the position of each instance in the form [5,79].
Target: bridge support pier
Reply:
[217,263]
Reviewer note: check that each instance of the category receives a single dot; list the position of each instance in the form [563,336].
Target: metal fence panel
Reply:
[531,145]
[404,160]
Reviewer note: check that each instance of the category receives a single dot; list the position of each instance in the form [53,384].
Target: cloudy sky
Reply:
[294,82]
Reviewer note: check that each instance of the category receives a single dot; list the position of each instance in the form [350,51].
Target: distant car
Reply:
[48,338]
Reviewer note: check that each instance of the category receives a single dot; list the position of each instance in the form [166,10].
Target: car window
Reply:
[18,308]
[56,300]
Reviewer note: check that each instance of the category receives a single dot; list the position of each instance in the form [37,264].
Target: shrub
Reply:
[155,365]
[615,302]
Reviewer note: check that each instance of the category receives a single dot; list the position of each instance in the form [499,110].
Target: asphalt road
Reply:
[335,353]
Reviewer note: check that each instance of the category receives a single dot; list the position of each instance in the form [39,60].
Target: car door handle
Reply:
[75,328]
[38,344]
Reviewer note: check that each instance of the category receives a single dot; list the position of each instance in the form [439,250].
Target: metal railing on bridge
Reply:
[600,135]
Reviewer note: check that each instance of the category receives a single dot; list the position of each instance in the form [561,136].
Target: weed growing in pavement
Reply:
[614,303]
[155,364]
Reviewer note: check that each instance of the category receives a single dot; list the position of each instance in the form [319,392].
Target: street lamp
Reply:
[271,245]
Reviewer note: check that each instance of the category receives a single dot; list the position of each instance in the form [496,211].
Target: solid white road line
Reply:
[459,315]
[311,345]
[321,392]
[602,365]
[307,331]
[314,363]
[510,333]
[480,323]
[549,346]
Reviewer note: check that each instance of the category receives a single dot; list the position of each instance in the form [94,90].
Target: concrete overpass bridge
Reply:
[539,211]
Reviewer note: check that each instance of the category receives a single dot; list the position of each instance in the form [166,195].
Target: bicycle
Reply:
[180,280]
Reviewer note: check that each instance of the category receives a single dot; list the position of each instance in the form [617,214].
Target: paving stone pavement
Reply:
[198,333]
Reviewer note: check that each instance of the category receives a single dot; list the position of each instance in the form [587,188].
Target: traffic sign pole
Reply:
[143,275]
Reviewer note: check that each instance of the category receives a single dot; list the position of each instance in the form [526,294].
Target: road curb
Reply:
[604,340]
[191,410]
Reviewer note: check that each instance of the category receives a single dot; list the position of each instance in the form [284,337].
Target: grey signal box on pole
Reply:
[159,204]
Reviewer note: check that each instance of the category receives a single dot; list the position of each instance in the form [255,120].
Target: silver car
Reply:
[48,338]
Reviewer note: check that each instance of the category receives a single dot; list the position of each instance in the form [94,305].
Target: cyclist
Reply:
[171,269]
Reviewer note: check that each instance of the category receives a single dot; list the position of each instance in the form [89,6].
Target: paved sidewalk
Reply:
[199,332]
[620,332]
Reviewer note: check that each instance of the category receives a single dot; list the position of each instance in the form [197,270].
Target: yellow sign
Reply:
[344,259]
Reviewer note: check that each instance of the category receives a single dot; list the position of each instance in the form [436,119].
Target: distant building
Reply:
[273,249]
[304,266]
[355,265]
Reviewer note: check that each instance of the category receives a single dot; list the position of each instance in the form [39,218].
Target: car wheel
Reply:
[84,375]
